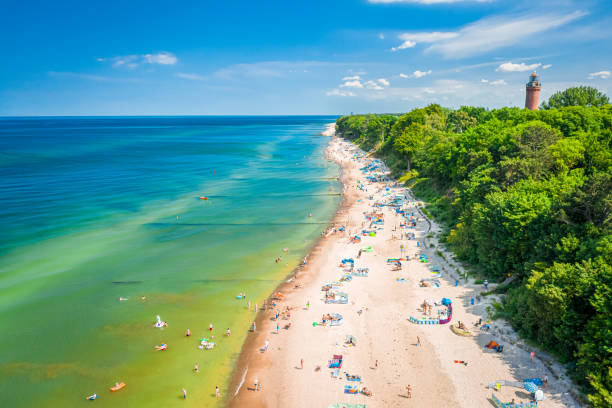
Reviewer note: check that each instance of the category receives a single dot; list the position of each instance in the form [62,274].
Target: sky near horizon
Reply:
[294,57]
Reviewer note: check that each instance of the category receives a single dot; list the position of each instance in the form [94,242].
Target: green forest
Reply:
[525,198]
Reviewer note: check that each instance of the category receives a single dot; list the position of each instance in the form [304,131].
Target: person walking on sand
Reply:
[277,328]
[301,363]
[266,345]
[408,391]
[376,364]
[217,393]
[196,368]
[531,356]
[210,327]
[184,393]
[418,341]
[256,384]
[228,332]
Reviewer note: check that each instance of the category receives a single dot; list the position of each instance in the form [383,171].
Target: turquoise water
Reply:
[94,209]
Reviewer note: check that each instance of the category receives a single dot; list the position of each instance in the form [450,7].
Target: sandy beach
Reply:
[445,369]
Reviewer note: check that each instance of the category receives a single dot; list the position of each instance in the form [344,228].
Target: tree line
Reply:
[525,195]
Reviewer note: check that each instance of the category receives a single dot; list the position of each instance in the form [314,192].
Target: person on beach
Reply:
[187,333]
[266,345]
[545,380]
[277,328]
[196,368]
[308,304]
[254,327]
[408,391]
[301,363]
[531,356]
[210,327]
[184,393]
[228,332]
[217,392]
[418,341]
[376,364]
[256,384]
[249,305]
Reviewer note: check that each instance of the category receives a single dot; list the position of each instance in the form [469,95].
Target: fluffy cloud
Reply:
[484,81]
[381,36]
[600,74]
[356,83]
[522,67]
[338,92]
[419,74]
[383,81]
[352,78]
[373,85]
[134,60]
[416,74]
[546,66]
[411,39]
[488,34]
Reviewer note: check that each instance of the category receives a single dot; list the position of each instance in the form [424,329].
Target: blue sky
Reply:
[294,57]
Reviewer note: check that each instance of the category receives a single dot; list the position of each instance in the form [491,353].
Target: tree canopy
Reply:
[526,194]
[576,96]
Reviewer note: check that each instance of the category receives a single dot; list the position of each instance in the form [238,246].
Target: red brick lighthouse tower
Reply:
[532,99]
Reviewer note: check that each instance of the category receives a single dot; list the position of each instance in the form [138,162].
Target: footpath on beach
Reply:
[378,316]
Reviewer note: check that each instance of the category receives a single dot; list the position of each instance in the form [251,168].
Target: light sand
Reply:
[383,330]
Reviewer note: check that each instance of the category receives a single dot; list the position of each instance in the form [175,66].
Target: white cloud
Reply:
[373,85]
[489,34]
[193,77]
[429,91]
[163,58]
[352,84]
[338,92]
[498,82]
[419,74]
[425,1]
[381,36]
[484,81]
[600,74]
[411,39]
[416,74]
[522,67]
[134,60]
[351,78]
[546,66]
[384,81]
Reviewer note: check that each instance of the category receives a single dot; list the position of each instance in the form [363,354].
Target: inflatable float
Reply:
[117,387]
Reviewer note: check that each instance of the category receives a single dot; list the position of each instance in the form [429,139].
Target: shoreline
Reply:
[240,369]
[384,332]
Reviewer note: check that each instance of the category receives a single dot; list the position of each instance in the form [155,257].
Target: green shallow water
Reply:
[102,208]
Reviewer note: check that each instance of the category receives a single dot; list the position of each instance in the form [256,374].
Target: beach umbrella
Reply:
[531,387]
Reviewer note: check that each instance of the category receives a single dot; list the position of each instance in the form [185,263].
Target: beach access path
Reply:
[386,355]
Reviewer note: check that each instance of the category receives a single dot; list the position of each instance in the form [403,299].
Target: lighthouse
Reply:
[532,99]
